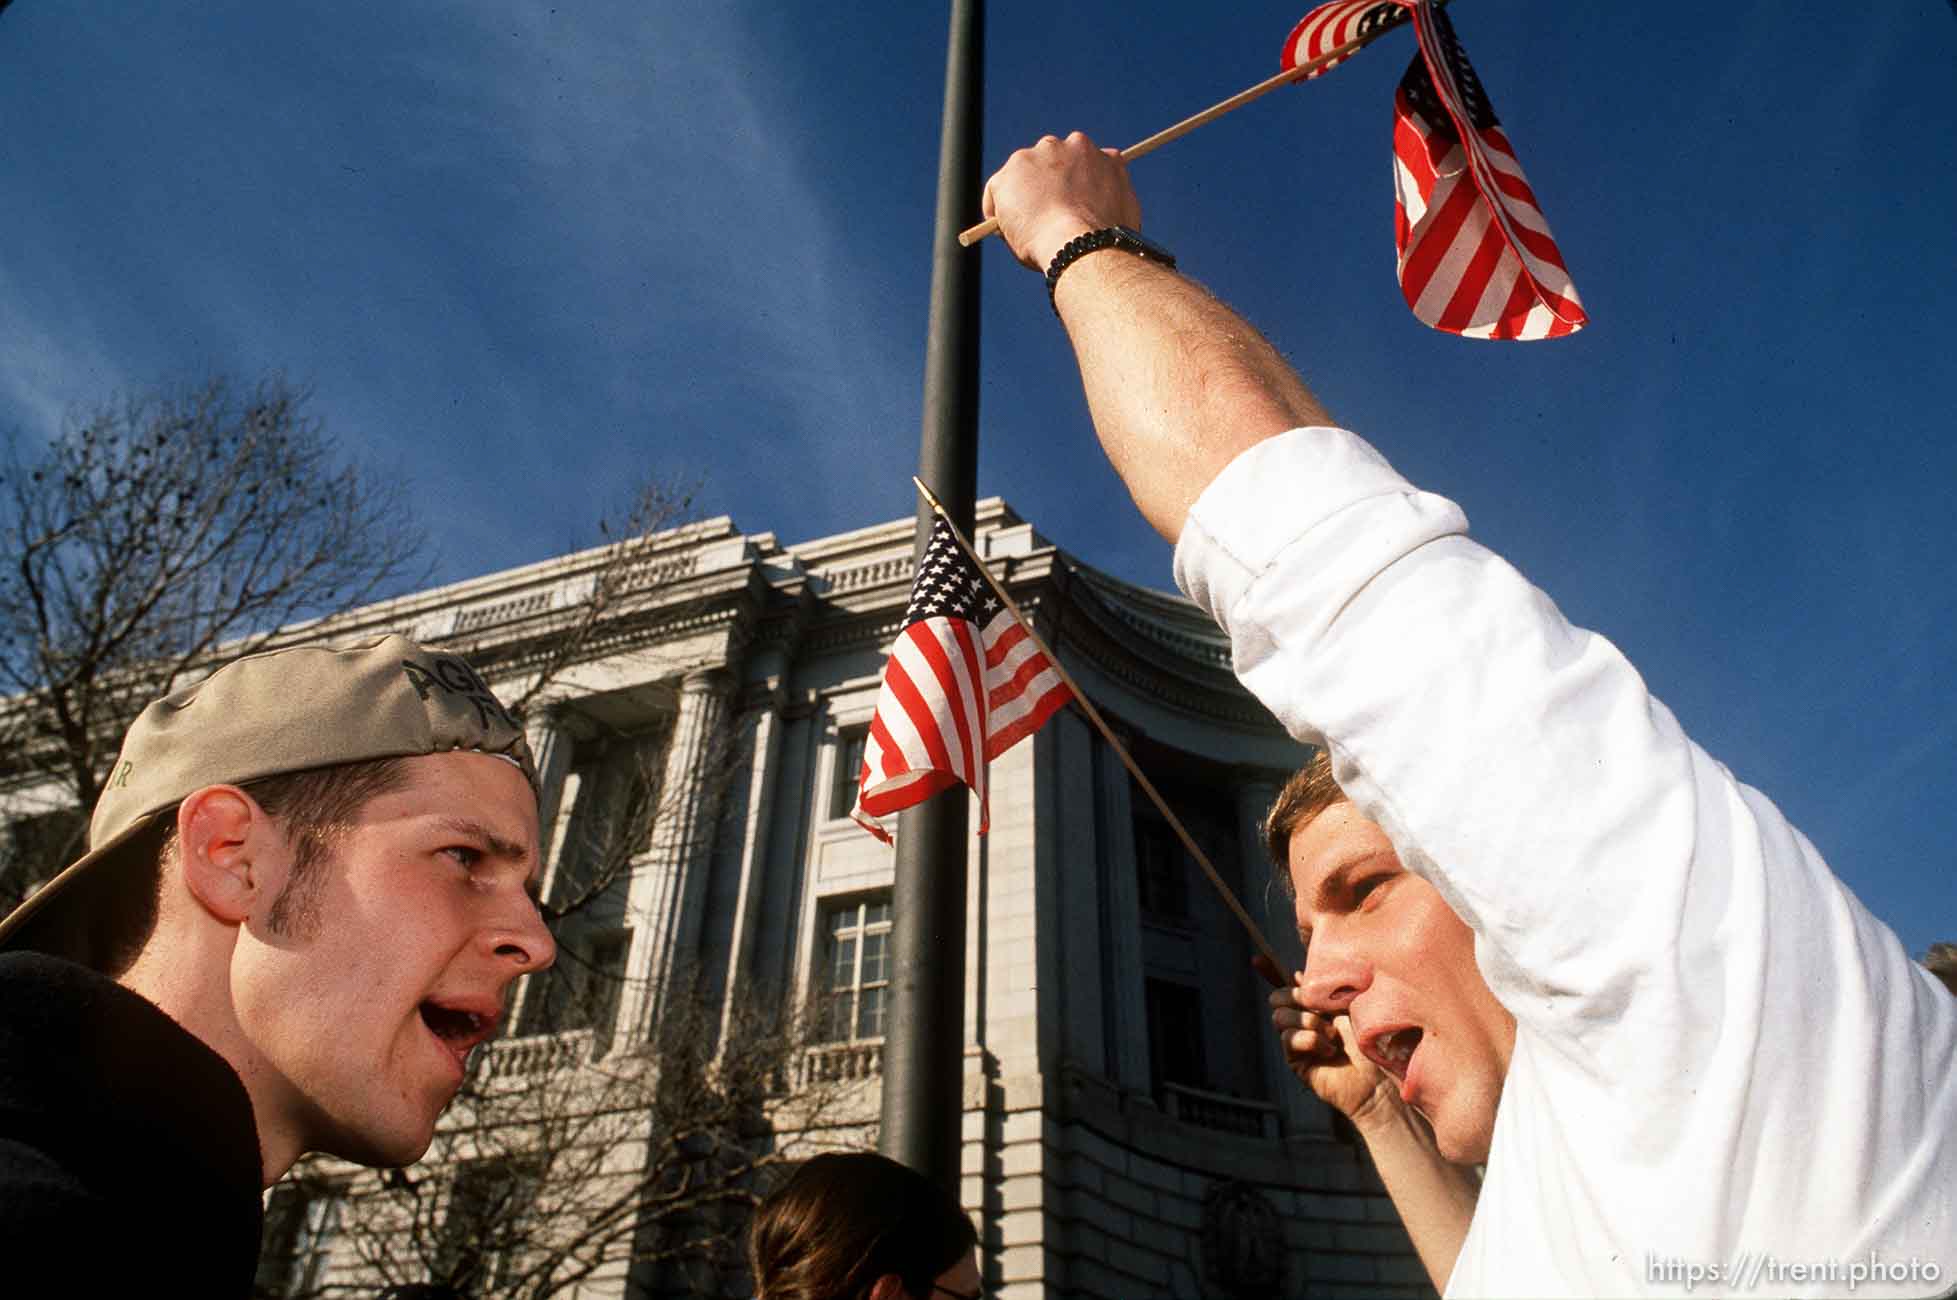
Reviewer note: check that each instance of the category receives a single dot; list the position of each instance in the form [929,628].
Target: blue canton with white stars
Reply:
[947,585]
[1425,100]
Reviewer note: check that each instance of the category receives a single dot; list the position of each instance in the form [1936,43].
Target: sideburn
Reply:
[295,912]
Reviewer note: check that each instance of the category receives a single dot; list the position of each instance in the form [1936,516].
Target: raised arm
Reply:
[1657,929]
[1177,383]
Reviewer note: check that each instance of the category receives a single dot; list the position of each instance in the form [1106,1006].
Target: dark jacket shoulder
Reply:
[127,1146]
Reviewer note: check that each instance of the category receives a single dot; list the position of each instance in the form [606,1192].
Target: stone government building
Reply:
[1129,1128]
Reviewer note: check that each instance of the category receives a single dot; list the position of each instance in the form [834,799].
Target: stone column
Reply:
[551,744]
[761,728]
[1073,994]
[1126,1011]
[668,891]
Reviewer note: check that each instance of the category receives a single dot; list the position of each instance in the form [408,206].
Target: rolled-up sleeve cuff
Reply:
[1321,488]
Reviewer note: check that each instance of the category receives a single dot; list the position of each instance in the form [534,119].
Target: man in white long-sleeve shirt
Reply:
[1589,956]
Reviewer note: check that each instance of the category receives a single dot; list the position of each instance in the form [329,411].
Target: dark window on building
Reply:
[607,976]
[1166,874]
[610,825]
[301,1220]
[1175,1034]
[35,847]
[1162,868]
[582,991]
[848,767]
[854,974]
[488,1217]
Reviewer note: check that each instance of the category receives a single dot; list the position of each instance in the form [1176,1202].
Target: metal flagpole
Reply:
[924,1040]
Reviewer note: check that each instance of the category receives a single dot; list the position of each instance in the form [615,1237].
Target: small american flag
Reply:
[1475,254]
[1332,25]
[965,683]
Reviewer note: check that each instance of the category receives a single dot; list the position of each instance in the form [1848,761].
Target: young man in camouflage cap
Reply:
[311,881]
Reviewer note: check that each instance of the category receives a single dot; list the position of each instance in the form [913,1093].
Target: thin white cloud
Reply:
[646,145]
[564,248]
[49,363]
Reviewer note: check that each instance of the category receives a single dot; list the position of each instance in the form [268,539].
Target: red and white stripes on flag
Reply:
[1476,257]
[965,682]
[1332,25]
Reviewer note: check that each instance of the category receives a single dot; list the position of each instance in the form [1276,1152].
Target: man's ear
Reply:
[222,838]
[889,1287]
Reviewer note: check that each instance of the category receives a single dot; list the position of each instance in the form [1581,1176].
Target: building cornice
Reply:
[836,594]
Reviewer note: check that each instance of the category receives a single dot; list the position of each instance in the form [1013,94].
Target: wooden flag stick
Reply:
[1107,733]
[990,226]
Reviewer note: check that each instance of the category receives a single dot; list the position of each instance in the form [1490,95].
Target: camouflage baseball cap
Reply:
[286,710]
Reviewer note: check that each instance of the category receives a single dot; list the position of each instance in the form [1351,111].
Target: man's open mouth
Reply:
[1393,1051]
[458,1029]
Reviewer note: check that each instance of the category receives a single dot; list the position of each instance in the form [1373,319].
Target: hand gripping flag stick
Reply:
[1303,71]
[1120,751]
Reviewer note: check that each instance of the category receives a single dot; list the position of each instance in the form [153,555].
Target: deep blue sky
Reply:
[527,254]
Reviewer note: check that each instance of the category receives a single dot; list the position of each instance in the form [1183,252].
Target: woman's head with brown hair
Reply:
[859,1226]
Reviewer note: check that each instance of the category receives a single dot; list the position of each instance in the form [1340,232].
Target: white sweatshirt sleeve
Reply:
[1698,993]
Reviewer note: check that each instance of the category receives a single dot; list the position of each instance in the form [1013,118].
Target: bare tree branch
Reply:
[155,531]
[631,577]
[557,1166]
